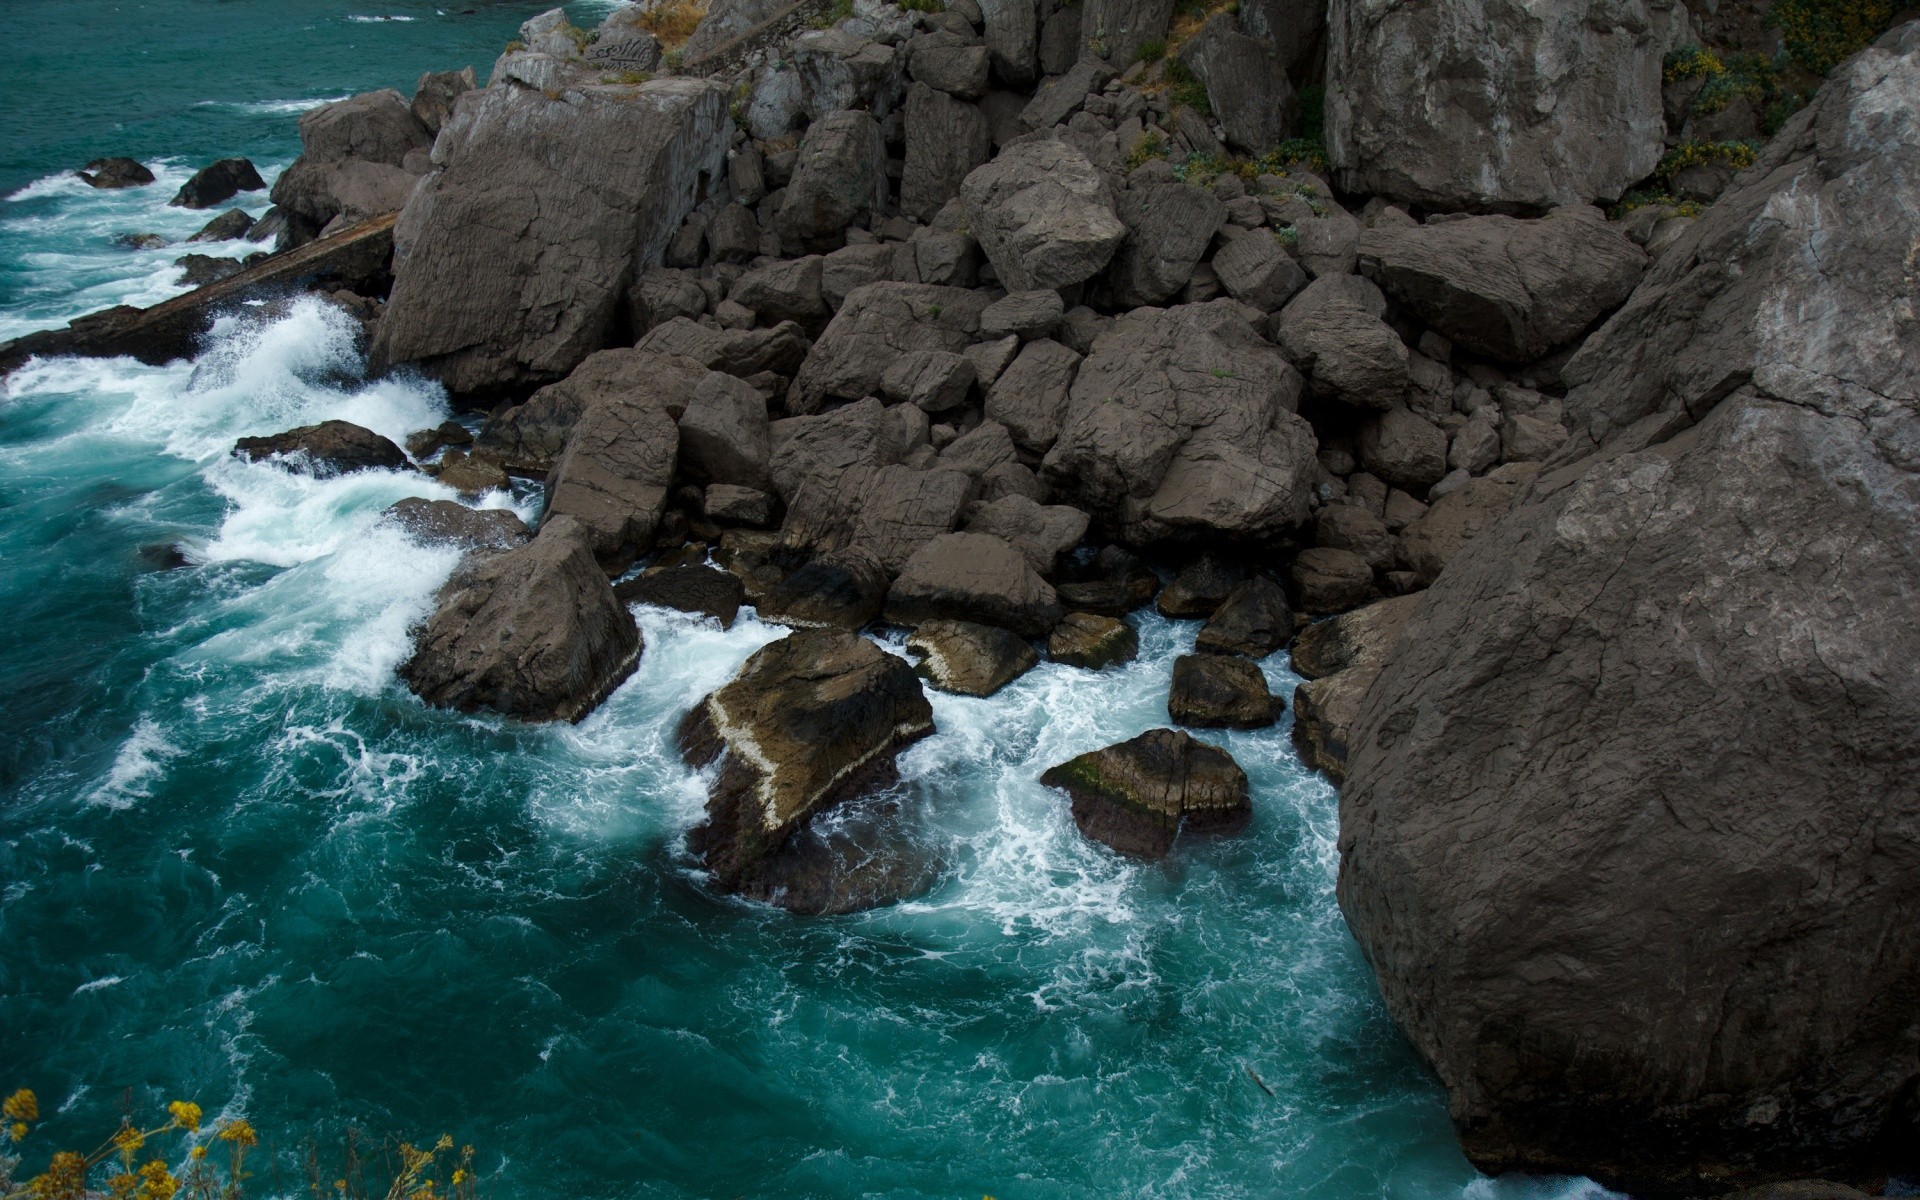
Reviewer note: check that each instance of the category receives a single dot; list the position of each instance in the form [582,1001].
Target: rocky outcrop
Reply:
[1630,834]
[1212,691]
[1092,641]
[811,722]
[841,173]
[613,476]
[1138,796]
[1509,289]
[109,173]
[1043,215]
[970,659]
[1247,85]
[1340,658]
[514,257]
[533,633]
[444,523]
[876,324]
[530,437]
[973,577]
[354,160]
[325,450]
[694,589]
[217,183]
[1460,104]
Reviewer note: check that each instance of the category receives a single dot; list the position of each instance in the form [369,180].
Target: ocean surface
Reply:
[240,865]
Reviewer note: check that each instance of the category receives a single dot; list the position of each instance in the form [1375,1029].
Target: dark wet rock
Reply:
[520,247]
[470,474]
[1092,641]
[115,173]
[164,556]
[970,659]
[141,241]
[1212,691]
[1043,215]
[1505,288]
[1138,796]
[234,223]
[613,475]
[1253,620]
[693,589]
[218,183]
[533,632]
[424,443]
[1325,580]
[811,722]
[327,449]
[199,270]
[442,522]
[1113,583]
[1201,587]
[876,324]
[732,505]
[973,577]
[844,590]
[1340,658]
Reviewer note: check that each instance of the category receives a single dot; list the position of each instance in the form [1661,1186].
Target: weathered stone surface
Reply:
[946,139]
[1246,82]
[930,380]
[970,659]
[949,62]
[741,352]
[1361,530]
[875,325]
[841,174]
[1181,422]
[822,446]
[810,722]
[325,450]
[733,505]
[529,437]
[1058,99]
[1013,39]
[1333,331]
[1124,26]
[1256,271]
[981,449]
[1340,658]
[693,589]
[1138,796]
[1406,450]
[724,433]
[514,256]
[1031,396]
[115,173]
[973,577]
[1661,715]
[1326,580]
[1042,532]
[1462,104]
[533,632]
[887,513]
[1201,587]
[351,159]
[787,290]
[834,591]
[234,223]
[1092,641]
[1509,289]
[840,70]
[613,474]
[444,523]
[217,183]
[1169,224]
[435,94]
[1043,215]
[1028,315]
[1253,620]
[1212,691]
[1460,516]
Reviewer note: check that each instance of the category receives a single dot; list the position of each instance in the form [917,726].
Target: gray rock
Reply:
[110,173]
[1476,446]
[1180,423]
[1092,642]
[435,94]
[1043,215]
[824,445]
[663,293]
[1013,39]
[875,325]
[1212,691]
[513,257]
[1403,449]
[724,433]
[733,236]
[1042,532]
[445,523]
[725,20]
[885,514]
[833,591]
[932,380]
[786,290]
[1246,82]
[730,504]
[1119,28]
[946,139]
[1200,587]
[1169,227]
[1058,99]
[612,477]
[1253,620]
[533,632]
[1351,527]
[217,183]
[973,577]
[950,63]
[1505,288]
[1460,516]
[529,437]
[852,267]
[1325,580]
[353,156]
[991,359]
[1138,796]
[1031,397]
[840,71]
[970,659]
[1256,271]
[325,450]
[741,352]
[1672,686]
[840,175]
[1027,314]
[1340,658]
[1333,331]
[1462,105]
[1297,29]
[979,450]
[234,223]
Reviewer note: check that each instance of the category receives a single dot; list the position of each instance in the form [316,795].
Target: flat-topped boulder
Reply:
[810,722]
[973,577]
[1214,691]
[533,632]
[445,523]
[1139,795]
[1092,641]
[968,658]
[325,450]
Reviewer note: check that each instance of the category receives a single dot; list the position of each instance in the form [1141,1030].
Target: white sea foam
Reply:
[276,107]
[100,984]
[362,18]
[140,760]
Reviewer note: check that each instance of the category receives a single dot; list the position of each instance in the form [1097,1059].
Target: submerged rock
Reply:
[325,450]
[1092,641]
[533,633]
[970,659]
[810,722]
[115,173]
[1139,795]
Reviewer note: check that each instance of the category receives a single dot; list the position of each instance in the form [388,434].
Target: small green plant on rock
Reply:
[1185,88]
[1821,34]
[1695,153]
[1149,147]
[1633,200]
[1151,51]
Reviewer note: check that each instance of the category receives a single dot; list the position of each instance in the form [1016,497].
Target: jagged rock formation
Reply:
[1139,795]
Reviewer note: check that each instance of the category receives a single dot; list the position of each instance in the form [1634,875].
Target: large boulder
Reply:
[946,139]
[840,174]
[1464,104]
[529,437]
[533,632]
[1138,796]
[614,474]
[973,577]
[1031,396]
[886,512]
[445,523]
[1169,224]
[876,324]
[1246,82]
[1335,331]
[1253,620]
[1340,658]
[1630,833]
[1043,215]
[1092,641]
[970,659]
[1125,26]
[217,183]
[513,259]
[1460,516]
[1212,691]
[810,722]
[1505,288]
[353,159]
[724,433]
[325,450]
[1181,422]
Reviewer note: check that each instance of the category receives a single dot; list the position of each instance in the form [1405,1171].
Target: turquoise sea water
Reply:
[240,865]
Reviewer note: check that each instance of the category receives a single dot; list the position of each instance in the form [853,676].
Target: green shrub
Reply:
[1150,146]
[1186,88]
[1151,51]
[1696,153]
[1820,34]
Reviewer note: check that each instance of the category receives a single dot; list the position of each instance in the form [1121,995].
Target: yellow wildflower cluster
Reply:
[20,1109]
[1820,34]
[1690,61]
